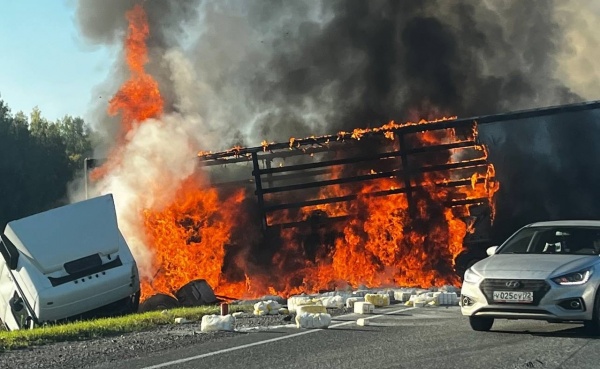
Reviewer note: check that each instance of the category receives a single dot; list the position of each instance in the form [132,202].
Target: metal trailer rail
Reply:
[405,162]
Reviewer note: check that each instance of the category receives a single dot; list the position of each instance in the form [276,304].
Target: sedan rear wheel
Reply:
[481,324]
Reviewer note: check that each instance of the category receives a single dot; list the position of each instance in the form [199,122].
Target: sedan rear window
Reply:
[554,240]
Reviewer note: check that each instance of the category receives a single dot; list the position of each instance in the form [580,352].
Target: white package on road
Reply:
[213,323]
[309,320]
[363,307]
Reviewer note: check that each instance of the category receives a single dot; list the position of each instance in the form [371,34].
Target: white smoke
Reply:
[158,156]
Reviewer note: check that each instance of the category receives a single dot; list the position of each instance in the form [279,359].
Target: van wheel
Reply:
[134,302]
[592,327]
[481,324]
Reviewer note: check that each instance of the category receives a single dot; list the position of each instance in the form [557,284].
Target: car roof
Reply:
[567,223]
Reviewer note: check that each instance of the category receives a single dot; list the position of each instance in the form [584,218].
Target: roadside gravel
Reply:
[89,353]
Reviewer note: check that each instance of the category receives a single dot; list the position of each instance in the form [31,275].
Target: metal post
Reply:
[406,174]
[269,175]
[85,176]
[259,190]
[88,164]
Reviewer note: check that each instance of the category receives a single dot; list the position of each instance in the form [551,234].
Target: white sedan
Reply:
[547,271]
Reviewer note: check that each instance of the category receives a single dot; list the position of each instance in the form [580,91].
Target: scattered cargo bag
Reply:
[402,296]
[446,298]
[334,302]
[309,320]
[378,299]
[350,301]
[269,307]
[294,301]
[213,323]
[311,309]
[363,307]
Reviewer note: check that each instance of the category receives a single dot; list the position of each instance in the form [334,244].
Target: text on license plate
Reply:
[513,296]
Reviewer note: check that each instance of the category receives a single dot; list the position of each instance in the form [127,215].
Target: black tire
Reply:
[135,301]
[481,324]
[158,302]
[592,327]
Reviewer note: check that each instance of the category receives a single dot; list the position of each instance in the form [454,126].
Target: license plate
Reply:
[513,296]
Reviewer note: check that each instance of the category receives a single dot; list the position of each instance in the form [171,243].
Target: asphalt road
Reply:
[397,337]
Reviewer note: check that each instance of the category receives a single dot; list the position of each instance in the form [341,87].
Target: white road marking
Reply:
[191,358]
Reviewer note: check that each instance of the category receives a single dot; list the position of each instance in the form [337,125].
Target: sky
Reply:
[45,62]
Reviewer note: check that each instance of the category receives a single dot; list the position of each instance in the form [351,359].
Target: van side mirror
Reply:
[9,252]
[491,250]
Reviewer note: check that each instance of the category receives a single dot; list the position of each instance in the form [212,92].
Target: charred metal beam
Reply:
[270,175]
[330,182]
[462,182]
[329,163]
[302,204]
[258,192]
[367,177]
[304,222]
[444,147]
[241,182]
[385,155]
[207,159]
[314,150]
[395,191]
[458,165]
[387,193]
[308,173]
[458,183]
[301,174]
[415,127]
[480,200]
[406,177]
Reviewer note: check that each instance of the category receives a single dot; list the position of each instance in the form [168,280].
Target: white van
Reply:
[66,263]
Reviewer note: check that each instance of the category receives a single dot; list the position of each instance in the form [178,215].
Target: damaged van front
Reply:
[71,262]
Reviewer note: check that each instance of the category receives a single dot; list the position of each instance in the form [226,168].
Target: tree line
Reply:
[38,158]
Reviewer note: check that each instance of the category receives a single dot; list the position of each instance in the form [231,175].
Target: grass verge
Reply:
[88,329]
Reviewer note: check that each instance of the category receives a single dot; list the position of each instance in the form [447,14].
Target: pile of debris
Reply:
[195,293]
[317,310]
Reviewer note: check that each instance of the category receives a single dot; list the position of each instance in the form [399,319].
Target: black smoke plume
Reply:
[276,69]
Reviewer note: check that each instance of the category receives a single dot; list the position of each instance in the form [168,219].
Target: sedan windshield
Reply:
[554,240]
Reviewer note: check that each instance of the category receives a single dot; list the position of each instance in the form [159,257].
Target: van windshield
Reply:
[554,240]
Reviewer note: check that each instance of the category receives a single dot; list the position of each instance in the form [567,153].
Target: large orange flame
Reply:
[213,234]
[380,244]
[139,97]
[189,237]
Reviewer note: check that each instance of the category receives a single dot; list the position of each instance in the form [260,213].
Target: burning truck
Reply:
[403,204]
[399,205]
[378,207]
[401,197]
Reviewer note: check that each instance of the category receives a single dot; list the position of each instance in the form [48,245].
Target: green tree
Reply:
[14,144]
[38,159]
[76,136]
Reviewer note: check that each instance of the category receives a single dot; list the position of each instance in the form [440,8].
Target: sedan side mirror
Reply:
[491,250]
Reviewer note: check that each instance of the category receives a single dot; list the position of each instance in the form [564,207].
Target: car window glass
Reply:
[555,240]
[519,243]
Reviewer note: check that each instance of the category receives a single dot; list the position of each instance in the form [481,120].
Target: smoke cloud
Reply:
[237,72]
